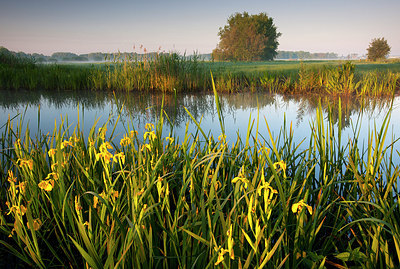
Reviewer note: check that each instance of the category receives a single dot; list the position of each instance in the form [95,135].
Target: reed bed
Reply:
[169,72]
[151,200]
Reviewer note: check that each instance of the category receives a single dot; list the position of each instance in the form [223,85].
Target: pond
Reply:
[40,110]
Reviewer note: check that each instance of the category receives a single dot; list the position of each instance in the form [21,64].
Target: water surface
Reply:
[41,109]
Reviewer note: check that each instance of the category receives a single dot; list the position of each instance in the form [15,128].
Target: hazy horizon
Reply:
[44,26]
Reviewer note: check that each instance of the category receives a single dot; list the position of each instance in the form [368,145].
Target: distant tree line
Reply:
[99,56]
[299,55]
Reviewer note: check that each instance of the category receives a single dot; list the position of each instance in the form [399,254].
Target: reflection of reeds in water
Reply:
[137,104]
[144,201]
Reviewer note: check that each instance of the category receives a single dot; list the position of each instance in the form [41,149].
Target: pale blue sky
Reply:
[47,26]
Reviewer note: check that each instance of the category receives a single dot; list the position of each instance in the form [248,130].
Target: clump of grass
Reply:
[163,72]
[150,200]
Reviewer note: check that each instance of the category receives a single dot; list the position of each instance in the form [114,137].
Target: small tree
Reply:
[247,38]
[378,49]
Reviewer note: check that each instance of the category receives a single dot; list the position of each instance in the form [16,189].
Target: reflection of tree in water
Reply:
[349,106]
[58,99]
[147,106]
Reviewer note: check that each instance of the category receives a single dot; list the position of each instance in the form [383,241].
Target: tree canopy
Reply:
[378,49]
[247,38]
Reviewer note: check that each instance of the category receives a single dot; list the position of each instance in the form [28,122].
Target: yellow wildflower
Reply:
[221,253]
[46,185]
[37,223]
[28,163]
[264,148]
[241,177]
[268,191]
[22,187]
[52,152]
[119,157]
[54,166]
[78,206]
[104,154]
[140,192]
[146,146]
[115,194]
[297,207]
[133,133]
[230,243]
[149,126]
[21,210]
[150,135]
[95,201]
[53,175]
[91,142]
[281,164]
[125,141]
[222,137]
[105,147]
[66,143]
[11,178]
[103,195]
[170,139]
[102,132]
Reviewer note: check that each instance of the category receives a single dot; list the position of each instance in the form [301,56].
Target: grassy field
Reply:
[146,201]
[170,72]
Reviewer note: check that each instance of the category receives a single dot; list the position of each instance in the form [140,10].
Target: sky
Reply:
[83,26]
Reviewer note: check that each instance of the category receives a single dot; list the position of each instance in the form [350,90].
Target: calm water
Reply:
[41,109]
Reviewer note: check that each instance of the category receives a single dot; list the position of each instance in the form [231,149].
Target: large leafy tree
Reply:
[247,38]
[378,49]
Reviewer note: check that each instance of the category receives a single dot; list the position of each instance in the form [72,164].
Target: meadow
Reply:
[173,72]
[145,201]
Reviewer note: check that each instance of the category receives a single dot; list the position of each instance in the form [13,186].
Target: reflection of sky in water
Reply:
[237,109]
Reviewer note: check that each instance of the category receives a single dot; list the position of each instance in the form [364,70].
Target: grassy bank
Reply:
[167,72]
[146,201]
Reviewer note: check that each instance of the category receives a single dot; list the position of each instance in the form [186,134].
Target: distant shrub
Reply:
[8,58]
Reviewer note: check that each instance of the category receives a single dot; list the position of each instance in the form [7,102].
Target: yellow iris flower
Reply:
[37,223]
[241,177]
[52,152]
[149,126]
[125,141]
[297,207]
[221,254]
[28,163]
[46,185]
[281,164]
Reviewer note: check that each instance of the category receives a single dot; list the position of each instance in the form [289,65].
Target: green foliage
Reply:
[378,49]
[147,202]
[247,38]
[168,71]
[13,59]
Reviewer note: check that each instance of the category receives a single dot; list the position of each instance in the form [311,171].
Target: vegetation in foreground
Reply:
[170,72]
[145,201]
